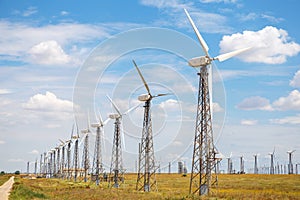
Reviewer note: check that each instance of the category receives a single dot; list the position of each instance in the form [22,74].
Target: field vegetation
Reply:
[170,186]
[4,178]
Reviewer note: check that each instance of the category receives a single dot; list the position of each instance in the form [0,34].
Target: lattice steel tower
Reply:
[116,168]
[85,155]
[97,168]
[116,173]
[204,154]
[146,179]
[76,160]
[203,162]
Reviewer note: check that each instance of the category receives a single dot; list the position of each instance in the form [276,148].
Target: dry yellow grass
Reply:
[171,186]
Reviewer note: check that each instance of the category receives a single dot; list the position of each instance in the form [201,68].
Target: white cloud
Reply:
[15,46]
[26,13]
[16,160]
[255,103]
[269,45]
[30,11]
[248,122]
[177,143]
[5,91]
[218,1]
[2,142]
[63,13]
[217,107]
[205,21]
[253,16]
[48,102]
[295,82]
[287,120]
[34,151]
[48,53]
[170,104]
[290,102]
[165,4]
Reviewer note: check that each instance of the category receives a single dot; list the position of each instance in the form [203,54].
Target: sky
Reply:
[59,60]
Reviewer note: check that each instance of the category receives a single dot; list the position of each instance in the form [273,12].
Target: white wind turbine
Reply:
[97,160]
[116,167]
[204,150]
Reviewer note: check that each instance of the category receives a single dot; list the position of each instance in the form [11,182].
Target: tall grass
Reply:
[170,186]
[4,178]
[21,191]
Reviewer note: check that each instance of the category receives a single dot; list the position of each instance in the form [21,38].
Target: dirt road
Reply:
[5,188]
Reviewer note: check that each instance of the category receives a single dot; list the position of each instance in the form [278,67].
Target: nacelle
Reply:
[199,61]
[95,125]
[144,97]
[114,116]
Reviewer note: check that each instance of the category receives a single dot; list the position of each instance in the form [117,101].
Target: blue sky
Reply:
[53,55]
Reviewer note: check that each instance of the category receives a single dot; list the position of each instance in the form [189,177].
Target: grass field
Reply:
[171,186]
[4,178]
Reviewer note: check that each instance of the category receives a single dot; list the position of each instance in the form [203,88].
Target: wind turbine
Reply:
[97,161]
[229,164]
[116,167]
[272,154]
[76,154]
[146,172]
[85,160]
[290,165]
[255,164]
[204,162]
[62,162]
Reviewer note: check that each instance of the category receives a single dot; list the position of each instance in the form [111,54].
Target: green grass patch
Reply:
[21,191]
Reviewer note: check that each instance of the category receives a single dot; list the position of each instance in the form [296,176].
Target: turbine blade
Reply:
[145,83]
[103,139]
[72,130]
[105,122]
[160,95]
[123,137]
[114,105]
[200,38]
[81,141]
[88,120]
[100,118]
[226,56]
[131,109]
[210,90]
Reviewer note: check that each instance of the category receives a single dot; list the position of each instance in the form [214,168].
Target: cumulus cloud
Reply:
[5,91]
[170,104]
[290,102]
[255,103]
[217,107]
[34,151]
[48,53]
[16,46]
[269,45]
[48,102]
[164,4]
[287,120]
[295,82]
[206,21]
[63,13]
[218,1]
[26,13]
[248,122]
